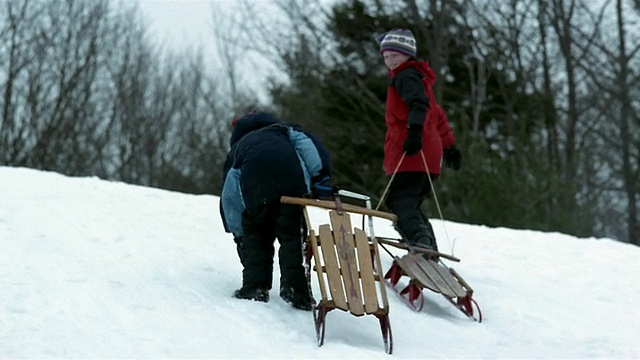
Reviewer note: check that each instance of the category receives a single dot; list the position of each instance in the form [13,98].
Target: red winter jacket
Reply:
[405,101]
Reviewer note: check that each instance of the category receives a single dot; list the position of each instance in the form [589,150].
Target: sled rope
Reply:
[435,197]
[385,194]
[433,191]
[391,180]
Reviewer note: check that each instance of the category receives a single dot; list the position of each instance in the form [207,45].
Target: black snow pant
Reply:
[262,225]
[406,195]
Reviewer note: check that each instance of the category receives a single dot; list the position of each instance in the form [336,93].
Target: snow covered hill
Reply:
[97,269]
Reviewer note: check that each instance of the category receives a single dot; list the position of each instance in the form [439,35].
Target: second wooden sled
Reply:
[348,266]
[423,272]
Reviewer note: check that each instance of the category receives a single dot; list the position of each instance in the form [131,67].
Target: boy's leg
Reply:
[238,241]
[290,231]
[406,194]
[257,251]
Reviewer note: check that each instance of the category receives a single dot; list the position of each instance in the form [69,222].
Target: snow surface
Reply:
[97,269]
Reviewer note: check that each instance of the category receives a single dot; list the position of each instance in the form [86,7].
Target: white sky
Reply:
[98,269]
[185,25]
[181,23]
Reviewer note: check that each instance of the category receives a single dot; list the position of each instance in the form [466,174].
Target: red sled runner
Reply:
[422,272]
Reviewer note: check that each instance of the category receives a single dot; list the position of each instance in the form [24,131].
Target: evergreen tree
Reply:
[340,92]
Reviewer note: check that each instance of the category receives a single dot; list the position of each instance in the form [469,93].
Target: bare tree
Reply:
[54,59]
[614,70]
[84,92]
[15,34]
[629,122]
[528,91]
[437,36]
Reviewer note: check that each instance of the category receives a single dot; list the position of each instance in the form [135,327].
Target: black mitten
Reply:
[413,144]
[322,188]
[453,158]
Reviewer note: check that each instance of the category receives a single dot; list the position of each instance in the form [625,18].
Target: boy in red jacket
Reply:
[417,128]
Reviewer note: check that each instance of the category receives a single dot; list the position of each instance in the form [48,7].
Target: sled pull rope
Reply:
[435,197]
[433,190]
[391,180]
[385,194]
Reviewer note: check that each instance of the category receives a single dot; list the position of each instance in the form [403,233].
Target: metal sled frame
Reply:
[348,266]
[422,272]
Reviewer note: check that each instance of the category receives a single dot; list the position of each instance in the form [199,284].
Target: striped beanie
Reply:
[400,40]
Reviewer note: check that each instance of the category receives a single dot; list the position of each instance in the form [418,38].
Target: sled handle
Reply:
[332,206]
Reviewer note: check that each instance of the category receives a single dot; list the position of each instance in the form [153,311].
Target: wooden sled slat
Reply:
[380,279]
[334,275]
[462,282]
[413,270]
[314,245]
[367,273]
[433,275]
[345,248]
[446,282]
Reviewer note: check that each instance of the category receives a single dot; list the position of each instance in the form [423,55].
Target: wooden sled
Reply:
[423,272]
[348,266]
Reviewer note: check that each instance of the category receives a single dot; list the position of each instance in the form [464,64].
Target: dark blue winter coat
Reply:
[268,159]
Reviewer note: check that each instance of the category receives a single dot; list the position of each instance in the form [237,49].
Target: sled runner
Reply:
[423,272]
[348,266]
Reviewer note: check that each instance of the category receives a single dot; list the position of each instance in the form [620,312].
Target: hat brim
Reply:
[399,50]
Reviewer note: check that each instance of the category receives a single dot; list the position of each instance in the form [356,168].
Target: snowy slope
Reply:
[98,269]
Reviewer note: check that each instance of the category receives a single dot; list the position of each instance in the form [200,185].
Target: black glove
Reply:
[413,144]
[322,188]
[453,158]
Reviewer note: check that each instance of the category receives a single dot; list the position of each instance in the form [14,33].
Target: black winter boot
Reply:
[415,229]
[298,299]
[251,293]
[425,237]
